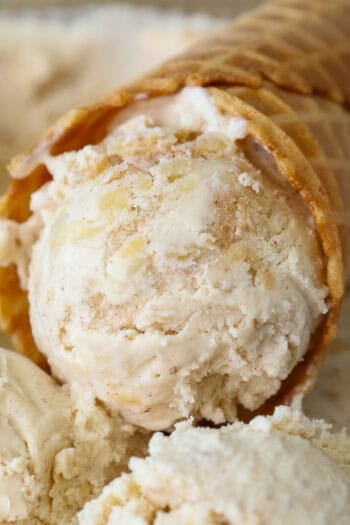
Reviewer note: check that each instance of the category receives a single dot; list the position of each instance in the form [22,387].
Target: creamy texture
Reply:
[171,276]
[54,454]
[35,417]
[101,445]
[16,242]
[282,469]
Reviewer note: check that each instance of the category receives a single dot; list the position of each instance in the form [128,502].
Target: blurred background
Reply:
[215,7]
[58,54]
[55,55]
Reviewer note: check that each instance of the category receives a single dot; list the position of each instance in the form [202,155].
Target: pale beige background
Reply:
[51,60]
[54,60]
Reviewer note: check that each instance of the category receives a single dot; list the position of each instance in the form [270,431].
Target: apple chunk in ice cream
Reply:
[173,274]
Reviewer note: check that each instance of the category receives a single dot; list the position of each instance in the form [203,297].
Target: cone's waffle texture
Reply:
[285,68]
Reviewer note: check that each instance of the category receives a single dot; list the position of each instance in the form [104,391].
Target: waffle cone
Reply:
[285,68]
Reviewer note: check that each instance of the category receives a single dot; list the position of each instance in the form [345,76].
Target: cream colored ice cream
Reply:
[54,454]
[171,277]
[281,469]
[101,445]
[35,417]
[63,59]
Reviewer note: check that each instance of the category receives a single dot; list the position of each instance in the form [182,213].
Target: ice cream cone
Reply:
[284,68]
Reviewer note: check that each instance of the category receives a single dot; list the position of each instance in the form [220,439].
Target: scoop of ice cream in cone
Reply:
[171,276]
[180,252]
[280,469]
[183,249]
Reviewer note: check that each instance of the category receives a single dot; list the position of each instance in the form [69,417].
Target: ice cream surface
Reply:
[100,448]
[35,417]
[280,469]
[171,276]
[54,454]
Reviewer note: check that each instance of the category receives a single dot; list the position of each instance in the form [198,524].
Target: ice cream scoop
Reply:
[280,469]
[172,276]
[54,453]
